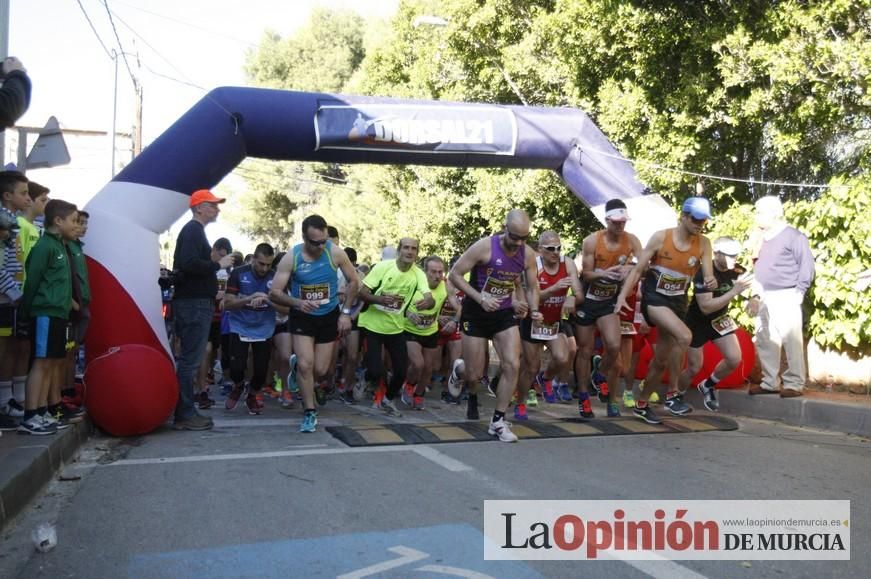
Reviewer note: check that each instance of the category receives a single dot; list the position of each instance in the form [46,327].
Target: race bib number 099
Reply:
[319,293]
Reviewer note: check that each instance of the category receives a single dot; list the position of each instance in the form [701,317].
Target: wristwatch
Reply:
[346,311]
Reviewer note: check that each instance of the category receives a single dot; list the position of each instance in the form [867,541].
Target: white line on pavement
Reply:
[441,459]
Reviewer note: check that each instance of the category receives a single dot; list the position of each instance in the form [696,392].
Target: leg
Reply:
[695,359]
[609,330]
[585,338]
[397,350]
[192,318]
[474,359]
[528,370]
[507,345]
[304,347]
[415,362]
[787,316]
[768,346]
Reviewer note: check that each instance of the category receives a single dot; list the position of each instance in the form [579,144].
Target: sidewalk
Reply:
[28,463]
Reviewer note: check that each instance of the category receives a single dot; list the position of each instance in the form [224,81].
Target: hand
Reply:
[536,316]
[521,309]
[489,303]
[616,272]
[11,64]
[711,283]
[643,328]
[753,306]
[569,307]
[564,283]
[307,306]
[413,318]
[743,283]
[390,301]
[76,306]
[225,261]
[344,325]
[621,306]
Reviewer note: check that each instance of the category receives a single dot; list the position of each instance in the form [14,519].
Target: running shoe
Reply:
[320,394]
[346,397]
[710,397]
[360,385]
[203,400]
[628,399]
[36,426]
[389,407]
[472,407]
[585,409]
[563,391]
[675,404]
[600,385]
[647,415]
[13,408]
[70,414]
[59,421]
[309,422]
[217,373]
[407,394]
[233,397]
[613,410]
[378,397]
[417,403]
[268,390]
[502,429]
[448,399]
[520,412]
[490,386]
[654,397]
[254,403]
[532,398]
[291,376]
[8,423]
[287,400]
[455,385]
[546,388]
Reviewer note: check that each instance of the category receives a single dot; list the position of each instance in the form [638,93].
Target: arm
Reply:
[278,292]
[340,258]
[709,304]
[805,261]
[478,253]
[188,260]
[34,274]
[234,301]
[631,281]
[575,281]
[532,291]
[373,280]
[708,264]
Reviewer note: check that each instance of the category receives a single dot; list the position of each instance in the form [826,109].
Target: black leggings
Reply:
[398,352]
[239,361]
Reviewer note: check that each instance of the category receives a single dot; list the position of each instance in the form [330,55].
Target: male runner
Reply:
[495,264]
[315,318]
[674,256]
[607,256]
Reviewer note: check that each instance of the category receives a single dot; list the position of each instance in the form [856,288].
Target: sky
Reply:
[171,44]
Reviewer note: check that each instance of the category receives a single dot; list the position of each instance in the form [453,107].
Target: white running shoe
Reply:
[455,385]
[502,429]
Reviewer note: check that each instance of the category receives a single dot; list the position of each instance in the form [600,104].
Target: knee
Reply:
[683,338]
[511,365]
[304,367]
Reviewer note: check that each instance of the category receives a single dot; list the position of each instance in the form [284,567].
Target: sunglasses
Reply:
[552,248]
[698,221]
[515,237]
[316,243]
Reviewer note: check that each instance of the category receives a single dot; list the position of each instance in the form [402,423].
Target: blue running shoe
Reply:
[613,410]
[309,422]
[564,393]
[546,388]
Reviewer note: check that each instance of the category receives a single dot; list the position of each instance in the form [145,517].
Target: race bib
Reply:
[425,321]
[627,328]
[542,331]
[319,293]
[393,310]
[669,285]
[498,288]
[724,325]
[602,290]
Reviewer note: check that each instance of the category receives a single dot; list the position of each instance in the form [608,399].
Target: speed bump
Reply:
[443,432]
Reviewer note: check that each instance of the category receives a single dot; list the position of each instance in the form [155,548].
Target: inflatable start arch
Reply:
[229,124]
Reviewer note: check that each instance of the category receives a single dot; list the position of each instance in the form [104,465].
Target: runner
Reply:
[674,256]
[709,320]
[607,256]
[556,275]
[422,333]
[315,318]
[495,265]
[389,290]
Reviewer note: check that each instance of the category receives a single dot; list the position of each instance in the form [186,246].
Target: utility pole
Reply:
[4,52]
[137,129]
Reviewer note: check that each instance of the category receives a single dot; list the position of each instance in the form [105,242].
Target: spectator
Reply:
[15,92]
[195,264]
[47,302]
[82,288]
[784,270]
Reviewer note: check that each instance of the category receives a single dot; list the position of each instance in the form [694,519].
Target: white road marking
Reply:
[407,555]
[441,459]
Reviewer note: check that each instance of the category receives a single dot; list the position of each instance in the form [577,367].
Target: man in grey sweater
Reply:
[784,270]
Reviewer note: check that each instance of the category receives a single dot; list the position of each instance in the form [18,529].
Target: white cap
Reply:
[727,246]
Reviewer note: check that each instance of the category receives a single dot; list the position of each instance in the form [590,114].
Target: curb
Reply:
[26,469]
[802,412]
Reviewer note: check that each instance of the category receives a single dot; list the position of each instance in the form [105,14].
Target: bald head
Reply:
[548,238]
[517,220]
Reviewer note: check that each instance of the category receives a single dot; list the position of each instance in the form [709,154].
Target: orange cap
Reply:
[204,196]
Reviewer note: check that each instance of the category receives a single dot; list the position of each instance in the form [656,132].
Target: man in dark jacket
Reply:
[196,285]
[15,92]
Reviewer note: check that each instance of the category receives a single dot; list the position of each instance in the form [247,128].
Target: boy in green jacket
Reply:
[47,302]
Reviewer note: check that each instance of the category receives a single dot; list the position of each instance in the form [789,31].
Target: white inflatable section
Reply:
[126,220]
[647,215]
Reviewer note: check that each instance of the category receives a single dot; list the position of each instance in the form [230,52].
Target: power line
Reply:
[88,18]
[121,46]
[700,175]
[184,23]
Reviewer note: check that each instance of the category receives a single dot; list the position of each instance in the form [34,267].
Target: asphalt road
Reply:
[255,498]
